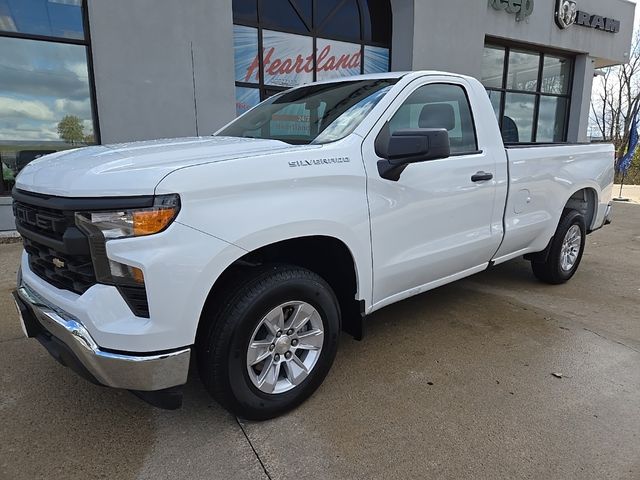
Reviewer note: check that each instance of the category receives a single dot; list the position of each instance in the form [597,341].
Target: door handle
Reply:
[482,177]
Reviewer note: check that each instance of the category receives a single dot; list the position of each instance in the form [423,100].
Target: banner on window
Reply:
[245,50]
[337,59]
[246,99]
[376,59]
[287,59]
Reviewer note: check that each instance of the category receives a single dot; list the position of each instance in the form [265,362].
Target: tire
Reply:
[252,315]
[560,265]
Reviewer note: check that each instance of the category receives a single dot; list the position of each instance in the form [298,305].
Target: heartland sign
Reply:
[326,62]
[567,14]
[521,8]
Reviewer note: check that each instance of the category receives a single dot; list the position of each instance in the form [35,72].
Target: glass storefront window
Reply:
[51,18]
[492,66]
[45,97]
[531,98]
[287,59]
[496,101]
[341,38]
[245,47]
[283,13]
[551,119]
[522,73]
[246,99]
[556,74]
[343,22]
[245,10]
[519,108]
[376,59]
[337,59]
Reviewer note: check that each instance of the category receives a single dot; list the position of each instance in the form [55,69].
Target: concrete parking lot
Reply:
[456,383]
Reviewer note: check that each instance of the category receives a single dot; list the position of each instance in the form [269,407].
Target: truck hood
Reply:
[132,168]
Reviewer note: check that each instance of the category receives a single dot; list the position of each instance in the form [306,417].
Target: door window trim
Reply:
[392,110]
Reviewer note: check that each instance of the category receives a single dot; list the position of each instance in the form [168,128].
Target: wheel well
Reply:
[584,201]
[328,257]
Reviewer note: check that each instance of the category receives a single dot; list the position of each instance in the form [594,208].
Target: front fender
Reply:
[255,202]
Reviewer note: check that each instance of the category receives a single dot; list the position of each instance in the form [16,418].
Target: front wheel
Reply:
[272,344]
[565,254]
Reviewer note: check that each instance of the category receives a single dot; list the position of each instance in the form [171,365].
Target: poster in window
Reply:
[376,59]
[337,59]
[291,121]
[245,50]
[287,58]
[246,99]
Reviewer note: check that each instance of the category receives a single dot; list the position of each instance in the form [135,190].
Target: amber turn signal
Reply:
[148,222]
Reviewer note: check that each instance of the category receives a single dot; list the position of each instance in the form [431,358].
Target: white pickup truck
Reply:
[249,251]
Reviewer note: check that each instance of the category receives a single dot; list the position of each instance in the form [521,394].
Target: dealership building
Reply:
[76,72]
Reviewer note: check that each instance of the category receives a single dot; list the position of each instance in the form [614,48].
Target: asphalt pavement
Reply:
[456,383]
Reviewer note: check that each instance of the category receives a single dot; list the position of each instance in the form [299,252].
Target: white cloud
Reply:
[26,132]
[79,69]
[30,109]
[80,108]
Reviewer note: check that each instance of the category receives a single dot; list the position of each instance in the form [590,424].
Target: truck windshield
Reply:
[313,114]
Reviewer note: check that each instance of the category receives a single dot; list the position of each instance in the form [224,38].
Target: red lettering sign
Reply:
[286,66]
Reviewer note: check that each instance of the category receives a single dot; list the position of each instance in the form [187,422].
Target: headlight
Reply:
[131,223]
[101,227]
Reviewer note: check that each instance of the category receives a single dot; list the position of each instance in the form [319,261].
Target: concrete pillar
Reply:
[580,99]
[403,33]
[162,69]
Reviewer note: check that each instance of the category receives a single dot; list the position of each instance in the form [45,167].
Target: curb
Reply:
[10,237]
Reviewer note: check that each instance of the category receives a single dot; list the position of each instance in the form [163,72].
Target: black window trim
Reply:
[314,33]
[538,93]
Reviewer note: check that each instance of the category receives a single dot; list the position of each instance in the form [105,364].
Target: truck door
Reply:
[440,220]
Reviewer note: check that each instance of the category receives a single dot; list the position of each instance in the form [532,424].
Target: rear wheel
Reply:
[565,254]
[272,343]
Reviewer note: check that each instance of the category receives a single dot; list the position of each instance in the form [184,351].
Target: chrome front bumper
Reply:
[140,372]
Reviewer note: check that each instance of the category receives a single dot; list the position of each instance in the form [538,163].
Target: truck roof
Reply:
[388,75]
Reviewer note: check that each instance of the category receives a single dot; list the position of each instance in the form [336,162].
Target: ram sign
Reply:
[568,13]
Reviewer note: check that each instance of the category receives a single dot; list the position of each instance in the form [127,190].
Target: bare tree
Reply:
[616,100]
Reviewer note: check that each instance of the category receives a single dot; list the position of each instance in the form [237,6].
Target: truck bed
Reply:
[542,178]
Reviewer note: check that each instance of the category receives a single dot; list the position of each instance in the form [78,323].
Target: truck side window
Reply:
[439,105]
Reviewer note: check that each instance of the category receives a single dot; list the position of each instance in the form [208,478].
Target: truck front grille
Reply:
[58,251]
[68,272]
[43,221]
[61,254]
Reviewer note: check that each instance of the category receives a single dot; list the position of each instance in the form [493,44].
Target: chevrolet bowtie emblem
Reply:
[58,263]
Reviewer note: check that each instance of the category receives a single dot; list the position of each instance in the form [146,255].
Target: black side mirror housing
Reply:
[404,147]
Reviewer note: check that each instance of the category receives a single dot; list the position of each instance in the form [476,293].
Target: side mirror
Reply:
[404,147]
